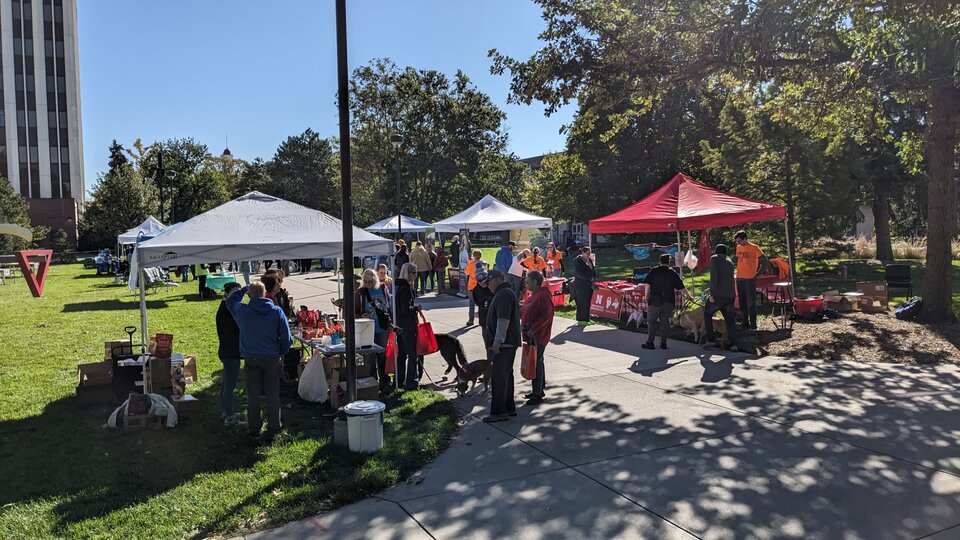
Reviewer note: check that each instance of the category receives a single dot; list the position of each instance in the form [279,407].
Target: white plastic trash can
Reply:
[365,426]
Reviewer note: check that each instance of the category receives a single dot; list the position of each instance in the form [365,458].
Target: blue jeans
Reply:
[540,381]
[228,383]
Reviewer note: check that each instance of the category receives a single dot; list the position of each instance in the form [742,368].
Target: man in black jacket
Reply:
[584,273]
[722,296]
[229,352]
[501,336]
[407,308]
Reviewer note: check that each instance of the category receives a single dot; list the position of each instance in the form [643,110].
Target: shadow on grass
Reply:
[112,305]
[63,454]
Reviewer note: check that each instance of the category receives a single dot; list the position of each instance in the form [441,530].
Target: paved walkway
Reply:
[676,444]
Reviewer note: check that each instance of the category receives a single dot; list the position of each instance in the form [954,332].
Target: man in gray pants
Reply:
[663,282]
[264,339]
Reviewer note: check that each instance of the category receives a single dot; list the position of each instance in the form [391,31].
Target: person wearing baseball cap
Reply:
[501,336]
[482,296]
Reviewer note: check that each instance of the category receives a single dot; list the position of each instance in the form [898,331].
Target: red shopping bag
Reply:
[528,361]
[426,340]
[391,352]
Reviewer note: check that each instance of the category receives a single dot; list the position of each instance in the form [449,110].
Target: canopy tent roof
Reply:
[491,214]
[389,225]
[150,227]
[683,204]
[256,226]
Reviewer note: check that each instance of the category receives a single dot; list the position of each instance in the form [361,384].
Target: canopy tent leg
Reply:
[679,250]
[141,285]
[793,264]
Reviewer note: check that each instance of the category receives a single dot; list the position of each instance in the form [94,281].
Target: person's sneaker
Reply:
[495,418]
[534,400]
[648,345]
[469,323]
[583,323]
[512,413]
[663,345]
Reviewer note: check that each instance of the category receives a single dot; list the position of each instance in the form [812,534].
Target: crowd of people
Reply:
[259,332]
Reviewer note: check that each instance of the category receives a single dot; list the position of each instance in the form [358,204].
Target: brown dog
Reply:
[469,374]
[692,321]
[720,330]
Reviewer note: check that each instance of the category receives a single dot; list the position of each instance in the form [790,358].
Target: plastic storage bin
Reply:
[365,426]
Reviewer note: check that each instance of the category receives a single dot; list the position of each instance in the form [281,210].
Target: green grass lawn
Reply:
[65,476]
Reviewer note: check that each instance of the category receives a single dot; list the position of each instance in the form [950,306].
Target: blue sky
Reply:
[260,71]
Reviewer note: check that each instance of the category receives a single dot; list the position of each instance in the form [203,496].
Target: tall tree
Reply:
[13,210]
[119,201]
[304,170]
[454,147]
[118,157]
[638,50]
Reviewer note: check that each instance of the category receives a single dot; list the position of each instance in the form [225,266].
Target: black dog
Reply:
[452,351]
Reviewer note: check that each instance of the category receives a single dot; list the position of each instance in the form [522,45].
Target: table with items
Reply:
[613,300]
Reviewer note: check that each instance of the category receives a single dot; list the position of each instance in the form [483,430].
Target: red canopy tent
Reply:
[683,204]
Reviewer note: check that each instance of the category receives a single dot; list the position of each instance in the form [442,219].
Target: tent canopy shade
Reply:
[389,225]
[490,214]
[150,227]
[683,204]
[256,226]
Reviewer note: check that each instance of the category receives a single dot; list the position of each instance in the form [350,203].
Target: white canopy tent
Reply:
[491,215]
[254,226]
[408,224]
[150,227]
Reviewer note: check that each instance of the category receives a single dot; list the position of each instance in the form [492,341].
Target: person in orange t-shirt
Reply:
[748,264]
[535,262]
[554,256]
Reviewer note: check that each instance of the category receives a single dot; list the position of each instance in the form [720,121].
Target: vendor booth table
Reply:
[217,283]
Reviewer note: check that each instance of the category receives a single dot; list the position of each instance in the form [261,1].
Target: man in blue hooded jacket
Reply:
[264,339]
[504,258]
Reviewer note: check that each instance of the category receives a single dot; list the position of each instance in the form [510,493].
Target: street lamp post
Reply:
[164,176]
[396,140]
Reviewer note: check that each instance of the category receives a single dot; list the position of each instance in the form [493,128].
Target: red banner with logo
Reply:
[606,304]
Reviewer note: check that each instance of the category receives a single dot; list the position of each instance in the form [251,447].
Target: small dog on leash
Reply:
[720,331]
[635,318]
[692,321]
[471,373]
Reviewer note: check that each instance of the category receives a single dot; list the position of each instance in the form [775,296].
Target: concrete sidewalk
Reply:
[679,443]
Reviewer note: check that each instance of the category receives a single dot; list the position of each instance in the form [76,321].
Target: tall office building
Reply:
[41,154]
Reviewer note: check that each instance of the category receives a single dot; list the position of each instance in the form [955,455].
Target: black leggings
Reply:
[583,297]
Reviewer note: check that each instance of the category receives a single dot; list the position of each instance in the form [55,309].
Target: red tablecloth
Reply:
[613,299]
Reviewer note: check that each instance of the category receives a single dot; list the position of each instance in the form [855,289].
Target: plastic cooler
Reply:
[365,426]
[808,308]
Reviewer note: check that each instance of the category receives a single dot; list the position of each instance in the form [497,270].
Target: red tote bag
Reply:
[426,340]
[391,353]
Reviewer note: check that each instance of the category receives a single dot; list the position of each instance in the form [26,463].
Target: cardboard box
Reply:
[95,383]
[116,346]
[874,289]
[874,305]
[834,300]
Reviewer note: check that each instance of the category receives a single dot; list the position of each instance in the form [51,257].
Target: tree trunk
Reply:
[791,226]
[941,193]
[881,222]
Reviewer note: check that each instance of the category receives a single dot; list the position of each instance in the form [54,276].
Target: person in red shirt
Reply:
[536,314]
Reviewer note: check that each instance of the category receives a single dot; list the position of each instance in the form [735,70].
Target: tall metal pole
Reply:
[396,169]
[346,199]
